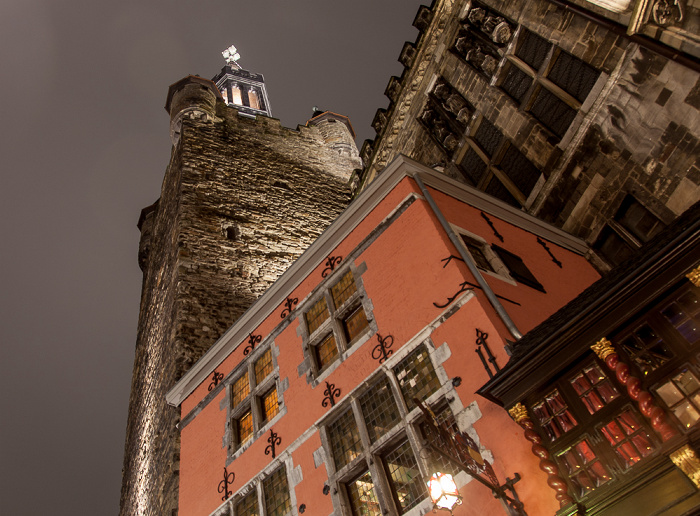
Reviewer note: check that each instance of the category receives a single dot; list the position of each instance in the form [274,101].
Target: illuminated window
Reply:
[270,405]
[276,494]
[591,429]
[616,6]
[416,376]
[368,440]
[335,321]
[254,99]
[248,505]
[363,497]
[254,398]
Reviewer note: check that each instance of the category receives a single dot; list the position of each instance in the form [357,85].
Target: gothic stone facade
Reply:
[242,199]
[552,106]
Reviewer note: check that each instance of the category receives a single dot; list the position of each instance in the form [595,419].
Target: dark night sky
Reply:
[84,145]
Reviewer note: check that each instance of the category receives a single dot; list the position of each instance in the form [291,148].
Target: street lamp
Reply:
[460,450]
[443,491]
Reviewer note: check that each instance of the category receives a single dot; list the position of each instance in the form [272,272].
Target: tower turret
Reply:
[240,88]
[337,133]
[193,97]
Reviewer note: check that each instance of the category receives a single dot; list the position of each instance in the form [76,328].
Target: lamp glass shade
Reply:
[443,491]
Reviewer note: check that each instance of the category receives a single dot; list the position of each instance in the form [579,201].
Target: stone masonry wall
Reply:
[241,200]
[636,132]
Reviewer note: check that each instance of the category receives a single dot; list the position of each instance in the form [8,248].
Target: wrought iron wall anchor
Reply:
[331,392]
[481,346]
[463,287]
[290,303]
[331,263]
[381,351]
[223,485]
[215,379]
[549,251]
[252,341]
[274,441]
[493,228]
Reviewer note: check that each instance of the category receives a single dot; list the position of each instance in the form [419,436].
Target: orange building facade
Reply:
[306,405]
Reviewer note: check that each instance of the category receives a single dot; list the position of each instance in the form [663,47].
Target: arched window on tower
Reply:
[224,94]
[236,96]
[254,99]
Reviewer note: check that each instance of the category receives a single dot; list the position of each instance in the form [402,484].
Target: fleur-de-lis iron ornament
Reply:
[289,304]
[227,481]
[381,351]
[274,441]
[215,379]
[331,263]
[252,341]
[331,392]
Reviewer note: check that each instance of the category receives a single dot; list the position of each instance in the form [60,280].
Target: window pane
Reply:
[475,249]
[326,351]
[248,506]
[263,366]
[276,493]
[554,114]
[682,314]
[345,440]
[594,388]
[317,315]
[583,468]
[270,405]
[355,323]
[516,83]
[554,416]
[628,438]
[342,290]
[362,497]
[473,167]
[573,76]
[646,349]
[682,394]
[532,49]
[406,480]
[488,137]
[379,409]
[245,428]
[519,169]
[416,376]
[240,390]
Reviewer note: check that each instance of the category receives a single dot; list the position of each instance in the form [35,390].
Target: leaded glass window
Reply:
[405,478]
[276,494]
[344,439]
[248,505]
[240,390]
[416,376]
[263,366]
[583,468]
[379,409]
[270,405]
[335,321]
[363,497]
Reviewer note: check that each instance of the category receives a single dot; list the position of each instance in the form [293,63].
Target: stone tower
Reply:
[242,198]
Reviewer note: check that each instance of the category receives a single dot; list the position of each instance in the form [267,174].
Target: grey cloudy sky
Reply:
[83,146]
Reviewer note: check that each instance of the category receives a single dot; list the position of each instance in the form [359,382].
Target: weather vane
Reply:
[232,56]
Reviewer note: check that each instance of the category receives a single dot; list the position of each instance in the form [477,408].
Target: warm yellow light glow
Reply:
[443,491]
